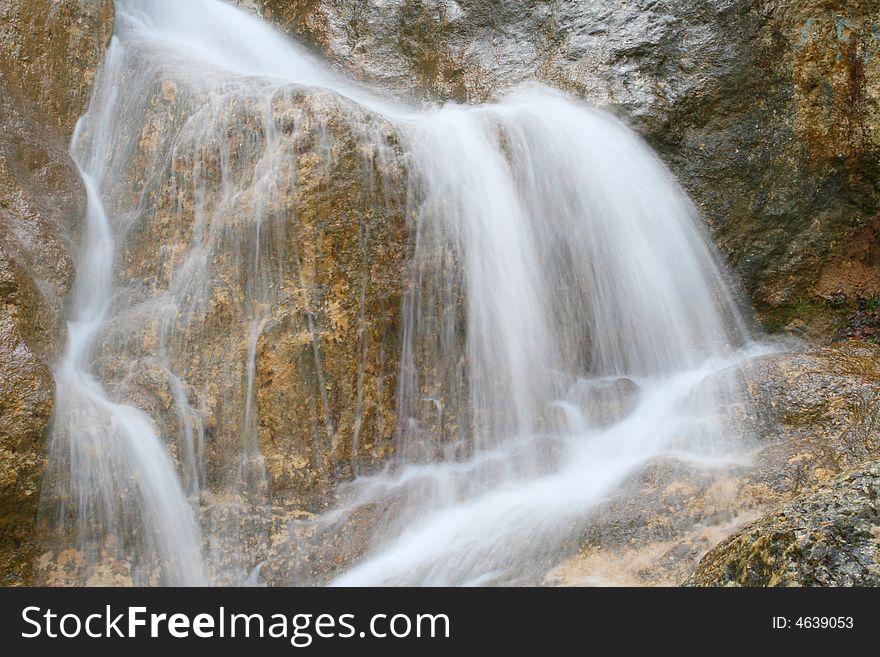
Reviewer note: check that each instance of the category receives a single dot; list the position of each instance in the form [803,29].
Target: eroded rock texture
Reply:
[282,233]
[769,112]
[823,524]
[50,50]
[261,232]
[48,53]
[830,537]
[814,416]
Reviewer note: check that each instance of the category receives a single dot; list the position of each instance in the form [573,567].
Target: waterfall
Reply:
[596,316]
[564,317]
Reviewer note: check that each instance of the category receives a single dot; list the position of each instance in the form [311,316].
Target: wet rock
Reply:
[781,155]
[817,412]
[50,50]
[829,537]
[768,111]
[812,415]
[41,199]
[48,54]
[287,334]
[605,402]
[820,418]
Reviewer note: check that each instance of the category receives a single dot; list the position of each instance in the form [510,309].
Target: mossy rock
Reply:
[830,537]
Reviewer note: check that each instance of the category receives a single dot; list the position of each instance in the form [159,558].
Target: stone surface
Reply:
[261,239]
[825,455]
[41,198]
[814,415]
[50,50]
[48,54]
[768,112]
[830,537]
[322,183]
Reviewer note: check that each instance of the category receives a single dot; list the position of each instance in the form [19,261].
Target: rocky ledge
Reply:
[811,416]
[830,537]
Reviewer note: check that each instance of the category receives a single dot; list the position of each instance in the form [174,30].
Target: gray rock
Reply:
[768,111]
[830,537]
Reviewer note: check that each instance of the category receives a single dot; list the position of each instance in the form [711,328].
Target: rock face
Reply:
[785,168]
[820,474]
[45,87]
[818,408]
[768,112]
[288,332]
[50,50]
[830,537]
[260,234]
[40,201]
[814,414]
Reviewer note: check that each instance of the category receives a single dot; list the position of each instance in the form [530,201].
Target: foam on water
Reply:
[565,320]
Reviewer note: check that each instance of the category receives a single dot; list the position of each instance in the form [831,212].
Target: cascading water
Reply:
[121,481]
[563,318]
[595,314]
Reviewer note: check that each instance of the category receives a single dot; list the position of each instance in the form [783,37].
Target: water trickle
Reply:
[115,476]
[564,317]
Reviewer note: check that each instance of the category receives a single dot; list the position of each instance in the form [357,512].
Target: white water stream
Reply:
[564,315]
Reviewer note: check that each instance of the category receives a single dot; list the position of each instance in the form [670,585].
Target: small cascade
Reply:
[564,320]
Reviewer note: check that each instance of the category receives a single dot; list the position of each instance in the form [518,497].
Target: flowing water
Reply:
[564,319]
